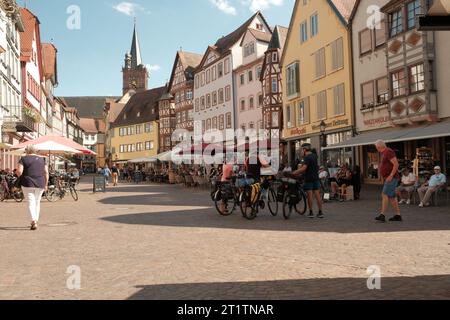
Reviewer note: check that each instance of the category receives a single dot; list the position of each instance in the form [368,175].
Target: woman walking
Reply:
[33,174]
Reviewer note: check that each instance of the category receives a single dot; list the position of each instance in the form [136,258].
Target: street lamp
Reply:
[323,140]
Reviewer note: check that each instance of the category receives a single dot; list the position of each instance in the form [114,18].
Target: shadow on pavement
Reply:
[399,288]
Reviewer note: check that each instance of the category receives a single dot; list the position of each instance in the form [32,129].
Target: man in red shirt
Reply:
[389,171]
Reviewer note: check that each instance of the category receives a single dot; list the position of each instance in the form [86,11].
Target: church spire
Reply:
[136,59]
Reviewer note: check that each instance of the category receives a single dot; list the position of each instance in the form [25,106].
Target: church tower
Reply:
[135,74]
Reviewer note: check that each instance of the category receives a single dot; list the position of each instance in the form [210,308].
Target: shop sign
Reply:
[376,122]
[298,131]
[332,124]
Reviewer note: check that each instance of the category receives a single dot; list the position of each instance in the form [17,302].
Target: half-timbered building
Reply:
[167,121]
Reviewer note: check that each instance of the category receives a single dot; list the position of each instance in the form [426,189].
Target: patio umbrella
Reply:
[57,140]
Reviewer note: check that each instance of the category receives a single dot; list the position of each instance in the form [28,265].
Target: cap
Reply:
[307,146]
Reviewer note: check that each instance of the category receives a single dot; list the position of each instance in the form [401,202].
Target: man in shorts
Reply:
[389,171]
[310,170]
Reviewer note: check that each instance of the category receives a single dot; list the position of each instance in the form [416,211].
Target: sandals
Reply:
[33,226]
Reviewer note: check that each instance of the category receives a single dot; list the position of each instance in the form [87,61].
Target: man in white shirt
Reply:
[407,186]
[436,182]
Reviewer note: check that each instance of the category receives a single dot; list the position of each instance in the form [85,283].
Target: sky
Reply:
[92,36]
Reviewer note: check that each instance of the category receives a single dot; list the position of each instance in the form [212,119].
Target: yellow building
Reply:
[317,78]
[135,133]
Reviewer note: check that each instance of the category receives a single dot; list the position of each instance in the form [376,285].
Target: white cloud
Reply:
[255,5]
[153,67]
[224,6]
[129,8]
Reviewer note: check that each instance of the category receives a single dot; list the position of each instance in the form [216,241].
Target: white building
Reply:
[249,96]
[214,85]
[10,78]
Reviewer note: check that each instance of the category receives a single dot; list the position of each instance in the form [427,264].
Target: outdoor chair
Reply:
[437,194]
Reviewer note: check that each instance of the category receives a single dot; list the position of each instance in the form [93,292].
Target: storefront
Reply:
[417,148]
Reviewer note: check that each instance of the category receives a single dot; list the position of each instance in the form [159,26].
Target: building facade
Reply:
[271,79]
[135,132]
[215,100]
[181,87]
[249,94]
[317,79]
[167,121]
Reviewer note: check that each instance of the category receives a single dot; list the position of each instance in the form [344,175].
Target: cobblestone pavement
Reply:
[167,242]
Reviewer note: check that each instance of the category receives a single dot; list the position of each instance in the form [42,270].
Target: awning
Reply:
[437,130]
[144,160]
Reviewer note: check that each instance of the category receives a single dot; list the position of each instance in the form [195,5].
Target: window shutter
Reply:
[297,78]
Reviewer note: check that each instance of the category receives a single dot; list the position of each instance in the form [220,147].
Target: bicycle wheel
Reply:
[51,195]
[74,193]
[272,202]
[247,208]
[287,206]
[222,205]
[301,207]
[18,196]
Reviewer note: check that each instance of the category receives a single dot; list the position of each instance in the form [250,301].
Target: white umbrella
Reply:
[50,147]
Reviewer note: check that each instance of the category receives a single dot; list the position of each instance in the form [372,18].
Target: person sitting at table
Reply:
[407,186]
[436,182]
[343,180]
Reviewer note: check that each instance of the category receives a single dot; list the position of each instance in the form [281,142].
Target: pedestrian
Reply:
[310,171]
[115,175]
[389,172]
[106,173]
[33,174]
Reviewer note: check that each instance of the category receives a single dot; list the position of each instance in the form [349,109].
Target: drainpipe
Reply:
[352,88]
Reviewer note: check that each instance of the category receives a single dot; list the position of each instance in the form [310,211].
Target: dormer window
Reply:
[259,26]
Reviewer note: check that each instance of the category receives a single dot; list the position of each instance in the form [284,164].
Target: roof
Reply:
[49,62]
[189,61]
[225,43]
[89,107]
[89,125]
[30,22]
[278,38]
[261,36]
[144,104]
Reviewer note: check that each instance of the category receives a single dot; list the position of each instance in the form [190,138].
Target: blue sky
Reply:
[90,58]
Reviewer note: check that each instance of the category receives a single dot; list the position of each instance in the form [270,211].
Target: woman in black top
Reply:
[33,173]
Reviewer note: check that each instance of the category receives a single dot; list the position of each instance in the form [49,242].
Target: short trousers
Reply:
[311,186]
[389,188]
[342,182]
[405,189]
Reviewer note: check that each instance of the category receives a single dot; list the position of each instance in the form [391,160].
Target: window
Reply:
[380,35]
[242,104]
[396,23]
[260,100]
[398,83]
[337,54]
[367,95]
[275,120]
[138,129]
[208,124]
[250,75]
[365,41]
[203,78]
[227,93]
[288,116]
[208,76]
[242,79]
[258,72]
[139,146]
[339,99]
[227,65]
[314,25]
[413,9]
[197,105]
[220,96]
[208,101]
[249,49]
[416,78]
[214,123]
[214,73]
[221,122]
[214,98]
[321,105]
[148,127]
[304,31]
[251,103]
[303,112]
[229,125]
[292,72]
[202,103]
[149,145]
[196,81]
[274,85]
[382,90]
[320,63]
[220,70]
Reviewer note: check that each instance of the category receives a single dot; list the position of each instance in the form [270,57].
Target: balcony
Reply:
[20,119]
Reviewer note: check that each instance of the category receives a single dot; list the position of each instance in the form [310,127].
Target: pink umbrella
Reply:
[56,139]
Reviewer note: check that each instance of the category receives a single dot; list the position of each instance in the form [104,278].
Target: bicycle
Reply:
[225,193]
[10,190]
[292,196]
[256,196]
[59,186]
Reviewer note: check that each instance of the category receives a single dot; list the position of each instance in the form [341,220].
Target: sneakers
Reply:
[408,202]
[381,218]
[33,226]
[311,214]
[397,218]
[320,215]
[403,201]
[421,205]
